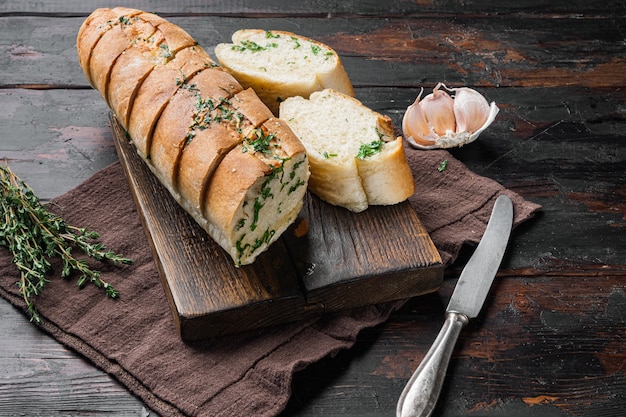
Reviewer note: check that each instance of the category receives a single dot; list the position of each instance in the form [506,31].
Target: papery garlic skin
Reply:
[427,123]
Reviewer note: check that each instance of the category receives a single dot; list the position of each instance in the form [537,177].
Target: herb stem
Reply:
[33,235]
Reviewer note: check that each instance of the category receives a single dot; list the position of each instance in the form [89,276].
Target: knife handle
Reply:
[420,395]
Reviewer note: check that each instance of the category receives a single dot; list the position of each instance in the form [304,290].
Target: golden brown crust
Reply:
[176,123]
[251,106]
[157,89]
[176,38]
[232,179]
[90,32]
[290,145]
[199,159]
[111,45]
[154,19]
[129,71]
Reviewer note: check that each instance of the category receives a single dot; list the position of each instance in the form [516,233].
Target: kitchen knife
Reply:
[420,395]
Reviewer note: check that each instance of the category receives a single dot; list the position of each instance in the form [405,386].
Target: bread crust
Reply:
[157,89]
[200,158]
[93,28]
[235,175]
[175,125]
[129,71]
[250,105]
[337,183]
[111,45]
[386,177]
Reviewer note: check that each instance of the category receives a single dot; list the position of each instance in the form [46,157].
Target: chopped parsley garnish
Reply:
[271,35]
[252,46]
[165,50]
[124,20]
[258,142]
[369,149]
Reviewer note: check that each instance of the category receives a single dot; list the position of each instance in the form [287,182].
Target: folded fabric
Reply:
[134,337]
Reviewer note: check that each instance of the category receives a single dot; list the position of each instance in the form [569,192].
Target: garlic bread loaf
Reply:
[217,148]
[279,64]
[355,158]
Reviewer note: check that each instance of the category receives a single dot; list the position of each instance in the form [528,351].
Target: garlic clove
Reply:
[493,112]
[471,109]
[440,121]
[438,108]
[415,126]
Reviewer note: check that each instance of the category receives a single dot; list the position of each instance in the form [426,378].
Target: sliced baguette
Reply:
[215,147]
[334,128]
[279,64]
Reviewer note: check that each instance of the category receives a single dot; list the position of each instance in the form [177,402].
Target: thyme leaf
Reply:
[33,235]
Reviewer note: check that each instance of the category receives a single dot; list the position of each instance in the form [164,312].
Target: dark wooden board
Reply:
[330,259]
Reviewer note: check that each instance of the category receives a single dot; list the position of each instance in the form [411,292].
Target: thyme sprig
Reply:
[33,235]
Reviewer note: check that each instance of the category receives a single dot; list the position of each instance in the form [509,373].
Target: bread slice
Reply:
[111,45]
[211,138]
[355,158]
[279,64]
[257,190]
[136,62]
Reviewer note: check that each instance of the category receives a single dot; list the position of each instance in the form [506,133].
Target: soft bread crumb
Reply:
[333,128]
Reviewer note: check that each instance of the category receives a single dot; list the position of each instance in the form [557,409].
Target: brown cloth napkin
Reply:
[135,340]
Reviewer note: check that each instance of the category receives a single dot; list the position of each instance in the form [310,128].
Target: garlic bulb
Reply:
[442,121]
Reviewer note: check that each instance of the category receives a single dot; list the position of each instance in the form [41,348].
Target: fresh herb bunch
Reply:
[33,235]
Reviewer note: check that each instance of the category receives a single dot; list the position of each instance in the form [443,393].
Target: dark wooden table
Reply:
[551,341]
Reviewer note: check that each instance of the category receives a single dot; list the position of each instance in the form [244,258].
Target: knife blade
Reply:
[419,397]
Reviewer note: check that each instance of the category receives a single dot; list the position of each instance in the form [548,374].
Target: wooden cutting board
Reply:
[330,259]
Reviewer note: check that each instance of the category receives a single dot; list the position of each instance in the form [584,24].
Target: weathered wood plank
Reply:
[324,7]
[492,51]
[575,367]
[52,134]
[40,377]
